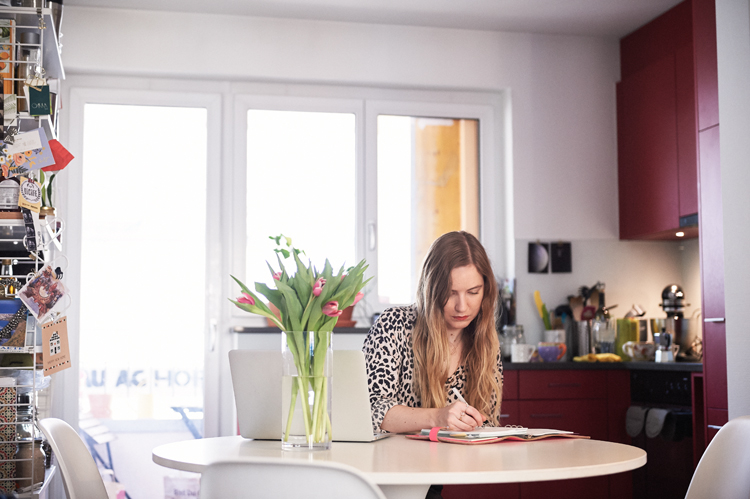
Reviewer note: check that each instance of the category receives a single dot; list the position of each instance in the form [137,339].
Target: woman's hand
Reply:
[459,416]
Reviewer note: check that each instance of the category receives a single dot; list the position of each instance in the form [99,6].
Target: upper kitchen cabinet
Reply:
[656,128]
[706,74]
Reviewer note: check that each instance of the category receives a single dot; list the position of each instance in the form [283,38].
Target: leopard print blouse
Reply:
[390,364]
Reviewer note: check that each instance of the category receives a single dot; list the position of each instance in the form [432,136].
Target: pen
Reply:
[458,394]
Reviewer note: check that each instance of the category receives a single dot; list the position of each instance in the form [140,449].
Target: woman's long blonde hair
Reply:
[430,339]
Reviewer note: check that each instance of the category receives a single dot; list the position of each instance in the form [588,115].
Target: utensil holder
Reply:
[583,338]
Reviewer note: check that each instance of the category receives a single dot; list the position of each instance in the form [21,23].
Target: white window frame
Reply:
[244,103]
[70,201]
[488,212]
[228,103]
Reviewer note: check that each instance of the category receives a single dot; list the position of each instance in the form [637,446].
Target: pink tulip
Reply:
[331,309]
[277,276]
[246,298]
[318,288]
[358,297]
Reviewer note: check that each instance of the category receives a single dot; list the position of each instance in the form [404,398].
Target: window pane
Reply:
[428,171]
[300,183]
[143,262]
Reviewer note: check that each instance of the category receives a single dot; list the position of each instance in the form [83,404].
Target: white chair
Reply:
[724,469]
[260,478]
[79,472]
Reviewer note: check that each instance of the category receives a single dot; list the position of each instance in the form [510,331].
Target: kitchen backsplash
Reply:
[635,272]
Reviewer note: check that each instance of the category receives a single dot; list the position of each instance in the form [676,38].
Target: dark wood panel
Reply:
[579,488]
[573,384]
[715,365]
[668,471]
[647,150]
[482,491]
[510,413]
[584,416]
[699,416]
[655,40]
[706,65]
[618,401]
[510,385]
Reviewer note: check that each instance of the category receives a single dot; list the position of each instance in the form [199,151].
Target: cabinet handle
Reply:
[714,427]
[564,385]
[504,416]
[536,416]
[715,319]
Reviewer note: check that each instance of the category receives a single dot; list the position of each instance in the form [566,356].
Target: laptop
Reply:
[256,379]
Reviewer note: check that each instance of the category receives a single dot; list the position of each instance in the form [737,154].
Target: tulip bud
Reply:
[331,309]
[246,298]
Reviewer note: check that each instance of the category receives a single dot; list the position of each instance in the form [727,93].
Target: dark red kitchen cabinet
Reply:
[586,416]
[510,413]
[687,161]
[510,385]
[706,74]
[712,273]
[581,488]
[656,128]
[647,151]
[562,384]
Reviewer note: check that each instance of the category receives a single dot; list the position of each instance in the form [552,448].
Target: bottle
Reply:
[6,274]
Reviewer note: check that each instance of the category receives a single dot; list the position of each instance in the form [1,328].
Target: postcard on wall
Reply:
[30,194]
[55,352]
[30,151]
[42,293]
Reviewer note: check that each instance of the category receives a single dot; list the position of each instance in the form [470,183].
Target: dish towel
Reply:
[655,422]
[635,420]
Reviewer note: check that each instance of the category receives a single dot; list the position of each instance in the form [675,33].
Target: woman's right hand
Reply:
[459,416]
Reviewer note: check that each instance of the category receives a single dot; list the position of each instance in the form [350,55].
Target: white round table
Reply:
[405,468]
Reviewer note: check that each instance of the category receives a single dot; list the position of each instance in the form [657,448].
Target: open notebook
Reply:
[256,379]
[489,435]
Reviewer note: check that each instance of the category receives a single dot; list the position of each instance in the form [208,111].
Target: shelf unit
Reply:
[27,20]
[23,362]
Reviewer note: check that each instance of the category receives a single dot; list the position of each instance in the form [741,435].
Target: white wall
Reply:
[733,27]
[634,272]
[562,88]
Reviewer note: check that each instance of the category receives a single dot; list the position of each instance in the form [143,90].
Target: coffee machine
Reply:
[682,331]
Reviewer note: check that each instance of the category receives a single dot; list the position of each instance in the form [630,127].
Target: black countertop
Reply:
[534,366]
[630,366]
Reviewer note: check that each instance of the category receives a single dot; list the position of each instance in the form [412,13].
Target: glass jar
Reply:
[511,335]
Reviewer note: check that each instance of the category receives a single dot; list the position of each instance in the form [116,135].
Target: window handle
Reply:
[214,332]
[372,236]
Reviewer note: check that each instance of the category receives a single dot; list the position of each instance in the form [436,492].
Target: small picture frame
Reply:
[538,258]
[561,258]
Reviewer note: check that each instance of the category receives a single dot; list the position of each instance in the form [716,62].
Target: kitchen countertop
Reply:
[534,366]
[630,366]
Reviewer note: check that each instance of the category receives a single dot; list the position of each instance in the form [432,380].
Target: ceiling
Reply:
[610,18]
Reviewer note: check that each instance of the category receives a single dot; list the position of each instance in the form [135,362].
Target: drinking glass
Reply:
[604,334]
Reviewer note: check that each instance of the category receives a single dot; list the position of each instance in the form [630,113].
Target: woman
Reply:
[417,355]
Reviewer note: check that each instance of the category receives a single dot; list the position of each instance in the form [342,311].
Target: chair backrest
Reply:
[79,472]
[268,478]
[724,469]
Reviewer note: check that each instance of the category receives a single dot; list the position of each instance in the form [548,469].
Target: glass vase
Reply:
[307,359]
